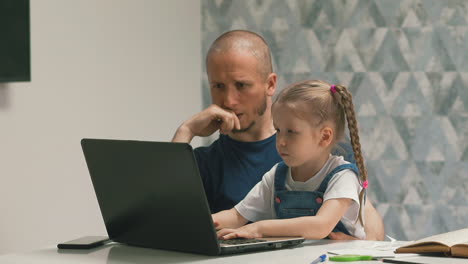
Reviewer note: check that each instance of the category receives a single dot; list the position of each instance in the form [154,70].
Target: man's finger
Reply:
[237,124]
[224,129]
[228,120]
[227,125]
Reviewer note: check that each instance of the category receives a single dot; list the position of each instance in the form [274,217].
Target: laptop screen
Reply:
[151,194]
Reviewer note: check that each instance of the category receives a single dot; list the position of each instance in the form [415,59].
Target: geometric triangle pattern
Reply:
[406,64]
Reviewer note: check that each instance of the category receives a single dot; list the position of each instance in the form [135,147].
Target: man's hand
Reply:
[206,123]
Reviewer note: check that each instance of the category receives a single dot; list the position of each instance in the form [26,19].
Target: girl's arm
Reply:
[253,206]
[228,218]
[309,227]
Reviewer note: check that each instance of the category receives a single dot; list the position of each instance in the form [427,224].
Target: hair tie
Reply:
[365,184]
[333,88]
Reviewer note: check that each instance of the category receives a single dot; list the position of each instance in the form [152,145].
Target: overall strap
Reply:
[348,166]
[280,176]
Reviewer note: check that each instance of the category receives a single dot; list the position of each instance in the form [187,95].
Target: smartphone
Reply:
[86,242]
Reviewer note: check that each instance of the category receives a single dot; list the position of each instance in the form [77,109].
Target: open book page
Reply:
[448,239]
[426,260]
[438,243]
[460,250]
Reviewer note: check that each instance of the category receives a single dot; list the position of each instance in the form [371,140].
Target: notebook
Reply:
[151,195]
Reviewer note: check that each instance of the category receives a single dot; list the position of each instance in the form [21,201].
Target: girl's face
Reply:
[297,141]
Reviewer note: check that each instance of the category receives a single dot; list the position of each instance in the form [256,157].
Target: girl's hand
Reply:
[247,231]
[216,225]
[340,236]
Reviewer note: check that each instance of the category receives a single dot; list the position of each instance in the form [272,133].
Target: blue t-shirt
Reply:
[231,168]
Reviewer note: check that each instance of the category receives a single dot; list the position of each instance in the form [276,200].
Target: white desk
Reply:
[115,253]
[120,254]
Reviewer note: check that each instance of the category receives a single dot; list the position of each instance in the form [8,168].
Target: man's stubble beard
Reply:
[260,111]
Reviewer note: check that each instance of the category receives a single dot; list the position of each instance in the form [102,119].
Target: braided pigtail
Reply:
[346,100]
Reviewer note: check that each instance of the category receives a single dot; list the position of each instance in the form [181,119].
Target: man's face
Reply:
[237,85]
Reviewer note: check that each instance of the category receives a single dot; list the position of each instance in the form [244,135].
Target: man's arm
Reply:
[206,123]
[374,226]
[183,134]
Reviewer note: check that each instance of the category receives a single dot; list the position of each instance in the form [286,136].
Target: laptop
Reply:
[151,195]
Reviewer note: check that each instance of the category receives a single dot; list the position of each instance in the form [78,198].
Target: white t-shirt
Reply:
[259,203]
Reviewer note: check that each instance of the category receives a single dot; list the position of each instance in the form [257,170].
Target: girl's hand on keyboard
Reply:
[216,225]
[247,231]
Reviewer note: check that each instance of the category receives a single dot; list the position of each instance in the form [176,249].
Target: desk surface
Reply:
[116,253]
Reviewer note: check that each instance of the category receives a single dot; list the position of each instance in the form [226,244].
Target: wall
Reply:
[120,69]
[406,63]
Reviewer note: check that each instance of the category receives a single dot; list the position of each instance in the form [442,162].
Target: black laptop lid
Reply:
[151,194]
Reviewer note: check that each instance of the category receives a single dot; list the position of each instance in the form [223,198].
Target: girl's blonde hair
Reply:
[319,102]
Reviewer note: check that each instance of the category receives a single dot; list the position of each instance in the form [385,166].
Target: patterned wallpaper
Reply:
[406,63]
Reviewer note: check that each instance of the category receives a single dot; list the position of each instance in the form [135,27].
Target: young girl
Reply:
[312,192]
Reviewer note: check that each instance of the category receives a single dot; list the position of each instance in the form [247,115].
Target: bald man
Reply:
[242,84]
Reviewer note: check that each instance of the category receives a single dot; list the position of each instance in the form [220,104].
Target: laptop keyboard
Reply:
[240,240]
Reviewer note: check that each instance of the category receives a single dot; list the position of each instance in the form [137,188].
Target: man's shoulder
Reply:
[230,150]
[344,148]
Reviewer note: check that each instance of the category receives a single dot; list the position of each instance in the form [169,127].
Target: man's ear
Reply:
[326,134]
[271,82]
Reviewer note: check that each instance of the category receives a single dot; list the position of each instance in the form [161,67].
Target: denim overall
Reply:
[290,204]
